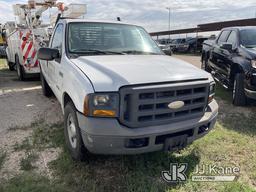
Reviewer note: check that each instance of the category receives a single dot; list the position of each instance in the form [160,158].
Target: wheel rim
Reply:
[72,135]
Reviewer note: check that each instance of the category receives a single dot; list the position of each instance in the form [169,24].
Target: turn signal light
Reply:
[104,113]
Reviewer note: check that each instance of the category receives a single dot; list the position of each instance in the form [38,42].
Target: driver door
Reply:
[55,67]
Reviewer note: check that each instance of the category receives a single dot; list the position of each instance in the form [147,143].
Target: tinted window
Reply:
[248,38]
[57,38]
[223,37]
[232,38]
[90,38]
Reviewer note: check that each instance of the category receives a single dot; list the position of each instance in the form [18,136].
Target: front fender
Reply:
[75,84]
[243,64]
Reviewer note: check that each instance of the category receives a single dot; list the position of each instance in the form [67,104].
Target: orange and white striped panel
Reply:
[28,50]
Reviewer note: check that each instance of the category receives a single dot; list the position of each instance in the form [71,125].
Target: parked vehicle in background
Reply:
[120,94]
[26,36]
[176,43]
[164,41]
[231,58]
[192,45]
[165,48]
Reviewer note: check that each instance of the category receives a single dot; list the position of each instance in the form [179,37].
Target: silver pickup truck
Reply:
[120,94]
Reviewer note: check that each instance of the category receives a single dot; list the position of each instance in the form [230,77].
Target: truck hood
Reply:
[110,72]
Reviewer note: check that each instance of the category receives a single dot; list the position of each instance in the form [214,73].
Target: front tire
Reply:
[239,97]
[72,133]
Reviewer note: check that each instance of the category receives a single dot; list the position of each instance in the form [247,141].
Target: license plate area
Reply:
[175,143]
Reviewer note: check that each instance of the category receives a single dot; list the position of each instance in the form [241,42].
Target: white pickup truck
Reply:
[120,94]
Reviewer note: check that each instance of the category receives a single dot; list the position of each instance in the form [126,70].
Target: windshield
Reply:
[104,38]
[248,38]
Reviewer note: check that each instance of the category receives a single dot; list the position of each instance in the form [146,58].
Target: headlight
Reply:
[101,105]
[211,92]
[253,62]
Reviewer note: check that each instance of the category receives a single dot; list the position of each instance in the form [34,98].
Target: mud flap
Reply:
[175,143]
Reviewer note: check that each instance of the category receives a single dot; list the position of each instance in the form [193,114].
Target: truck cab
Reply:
[120,94]
[231,58]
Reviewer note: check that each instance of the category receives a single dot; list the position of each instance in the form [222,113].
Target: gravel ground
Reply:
[22,103]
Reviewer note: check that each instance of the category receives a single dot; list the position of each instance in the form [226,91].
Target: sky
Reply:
[152,14]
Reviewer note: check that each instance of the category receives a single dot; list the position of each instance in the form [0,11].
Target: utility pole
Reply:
[169,21]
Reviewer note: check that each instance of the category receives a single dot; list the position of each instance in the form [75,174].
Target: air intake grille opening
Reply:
[148,106]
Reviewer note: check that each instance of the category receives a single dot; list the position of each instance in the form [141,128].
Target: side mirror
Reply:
[227,46]
[48,54]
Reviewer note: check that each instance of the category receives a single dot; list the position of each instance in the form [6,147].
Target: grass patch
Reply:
[43,136]
[223,93]
[3,64]
[26,145]
[30,181]
[143,172]
[26,162]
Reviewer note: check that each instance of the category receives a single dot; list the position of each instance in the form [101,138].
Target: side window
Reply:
[223,37]
[232,38]
[57,38]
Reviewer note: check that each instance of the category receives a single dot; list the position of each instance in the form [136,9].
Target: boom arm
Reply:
[38,15]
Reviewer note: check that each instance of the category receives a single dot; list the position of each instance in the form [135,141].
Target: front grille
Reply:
[143,106]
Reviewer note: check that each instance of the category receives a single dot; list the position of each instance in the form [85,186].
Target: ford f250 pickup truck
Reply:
[120,94]
[231,58]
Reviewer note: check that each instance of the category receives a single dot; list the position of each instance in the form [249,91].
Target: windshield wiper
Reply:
[97,51]
[139,52]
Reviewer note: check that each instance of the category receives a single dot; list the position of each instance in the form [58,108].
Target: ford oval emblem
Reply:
[176,105]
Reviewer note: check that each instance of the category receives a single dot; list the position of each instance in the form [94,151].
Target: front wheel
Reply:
[72,133]
[239,97]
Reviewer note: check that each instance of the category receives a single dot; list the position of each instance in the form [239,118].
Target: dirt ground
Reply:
[195,60]
[22,103]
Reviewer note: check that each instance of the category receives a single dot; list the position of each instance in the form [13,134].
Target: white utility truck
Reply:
[27,35]
[120,94]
